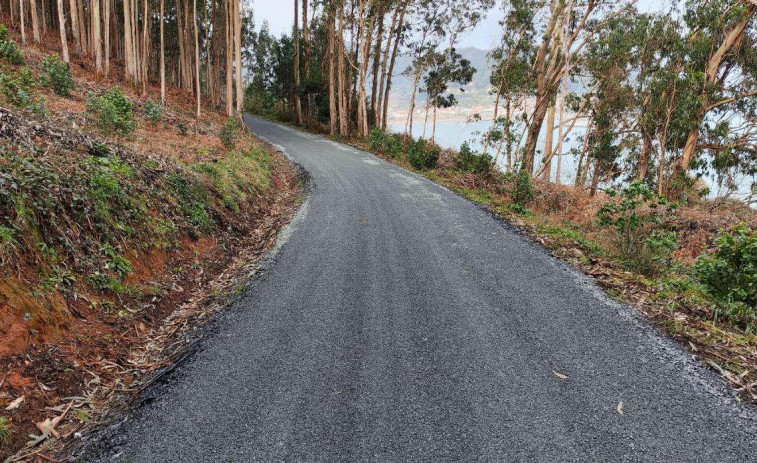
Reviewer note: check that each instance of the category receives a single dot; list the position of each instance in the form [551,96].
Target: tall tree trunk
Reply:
[62,28]
[208,75]
[548,143]
[82,25]
[35,21]
[128,56]
[23,27]
[397,41]
[343,121]
[376,63]
[229,53]
[306,40]
[238,47]
[162,54]
[364,61]
[197,60]
[384,62]
[332,96]
[107,36]
[97,41]
[296,35]
[217,41]
[146,45]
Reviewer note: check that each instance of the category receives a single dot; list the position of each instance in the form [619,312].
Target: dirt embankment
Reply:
[114,249]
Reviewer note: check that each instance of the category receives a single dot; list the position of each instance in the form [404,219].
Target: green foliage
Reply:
[9,49]
[422,155]
[57,75]
[385,143]
[638,221]
[153,111]
[19,89]
[468,161]
[111,112]
[115,262]
[730,272]
[523,193]
[182,128]
[230,132]
[7,240]
[6,431]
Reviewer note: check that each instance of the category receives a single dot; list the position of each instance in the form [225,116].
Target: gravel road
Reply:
[402,323]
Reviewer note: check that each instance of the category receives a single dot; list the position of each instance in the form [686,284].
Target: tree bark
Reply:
[107,36]
[397,41]
[162,54]
[332,96]
[229,53]
[343,121]
[21,15]
[62,28]
[296,35]
[238,47]
[306,40]
[197,59]
[35,21]
[97,37]
[548,143]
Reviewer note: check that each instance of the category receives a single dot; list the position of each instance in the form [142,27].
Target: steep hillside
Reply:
[122,224]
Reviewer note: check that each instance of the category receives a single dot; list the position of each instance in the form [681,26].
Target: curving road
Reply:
[401,323]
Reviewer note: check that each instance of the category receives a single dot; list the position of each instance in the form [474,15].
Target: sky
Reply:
[279,14]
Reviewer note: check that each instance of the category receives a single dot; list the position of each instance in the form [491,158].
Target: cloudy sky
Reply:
[279,14]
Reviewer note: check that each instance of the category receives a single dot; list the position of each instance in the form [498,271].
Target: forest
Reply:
[664,97]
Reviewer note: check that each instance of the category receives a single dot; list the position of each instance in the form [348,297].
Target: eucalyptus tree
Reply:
[722,65]
[449,68]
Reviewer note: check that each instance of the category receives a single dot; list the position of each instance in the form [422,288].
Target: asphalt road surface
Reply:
[402,323]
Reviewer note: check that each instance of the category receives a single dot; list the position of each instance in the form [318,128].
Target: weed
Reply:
[117,263]
[637,220]
[230,132]
[524,188]
[182,128]
[153,111]
[6,431]
[57,75]
[111,112]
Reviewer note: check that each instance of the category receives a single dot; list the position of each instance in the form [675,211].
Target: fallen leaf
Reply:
[559,375]
[15,404]
[620,408]
[48,427]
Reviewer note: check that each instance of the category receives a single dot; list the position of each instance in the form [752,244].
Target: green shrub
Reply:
[422,155]
[385,143]
[230,132]
[9,49]
[729,273]
[524,188]
[182,128]
[153,111]
[111,111]
[18,88]
[468,161]
[57,75]
[640,234]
